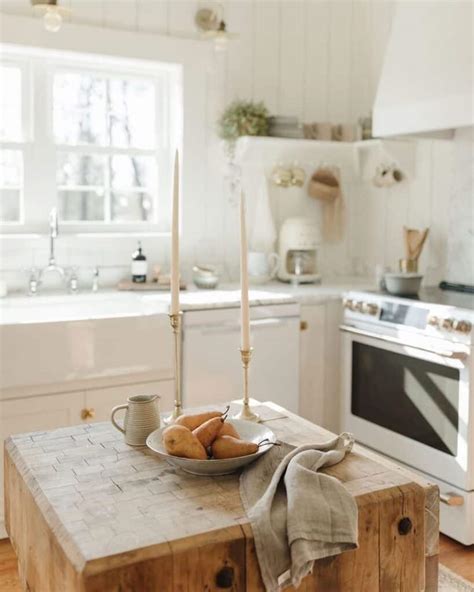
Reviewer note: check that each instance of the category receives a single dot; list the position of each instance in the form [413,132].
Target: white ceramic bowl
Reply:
[403,284]
[248,430]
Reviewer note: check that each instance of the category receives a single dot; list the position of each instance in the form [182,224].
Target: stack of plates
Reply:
[285,127]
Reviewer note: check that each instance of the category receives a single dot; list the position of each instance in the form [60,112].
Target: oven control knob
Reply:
[347,303]
[370,308]
[434,321]
[462,326]
[358,306]
[447,324]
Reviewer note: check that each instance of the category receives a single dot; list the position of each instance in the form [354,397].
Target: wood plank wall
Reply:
[319,60]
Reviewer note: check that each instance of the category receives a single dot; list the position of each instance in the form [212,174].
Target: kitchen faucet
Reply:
[52,267]
[36,278]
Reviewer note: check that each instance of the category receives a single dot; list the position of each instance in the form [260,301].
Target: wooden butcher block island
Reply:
[86,512]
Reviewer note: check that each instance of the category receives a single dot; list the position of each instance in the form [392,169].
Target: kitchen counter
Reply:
[84,511]
[108,304]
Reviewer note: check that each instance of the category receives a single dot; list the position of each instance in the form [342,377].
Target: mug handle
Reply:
[112,416]
[274,261]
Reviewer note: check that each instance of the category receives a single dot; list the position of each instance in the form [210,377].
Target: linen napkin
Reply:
[297,514]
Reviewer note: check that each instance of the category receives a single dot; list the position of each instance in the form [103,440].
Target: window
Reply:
[11,137]
[101,143]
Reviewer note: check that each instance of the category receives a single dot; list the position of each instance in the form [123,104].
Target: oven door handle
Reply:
[453,355]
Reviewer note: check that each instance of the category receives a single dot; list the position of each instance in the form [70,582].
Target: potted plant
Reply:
[242,118]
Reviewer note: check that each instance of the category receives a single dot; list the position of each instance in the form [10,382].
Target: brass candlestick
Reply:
[175,322]
[246,412]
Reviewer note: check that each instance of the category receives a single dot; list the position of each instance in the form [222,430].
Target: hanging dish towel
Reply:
[297,514]
[325,185]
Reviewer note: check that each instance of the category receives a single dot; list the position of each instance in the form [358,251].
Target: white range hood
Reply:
[426,82]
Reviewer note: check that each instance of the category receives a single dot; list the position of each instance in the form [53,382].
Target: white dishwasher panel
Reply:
[212,369]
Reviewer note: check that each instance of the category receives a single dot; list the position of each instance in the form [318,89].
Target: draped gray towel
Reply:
[297,514]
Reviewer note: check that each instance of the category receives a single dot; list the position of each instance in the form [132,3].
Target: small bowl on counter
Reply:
[403,284]
[205,277]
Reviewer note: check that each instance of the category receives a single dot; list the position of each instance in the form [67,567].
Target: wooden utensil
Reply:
[414,241]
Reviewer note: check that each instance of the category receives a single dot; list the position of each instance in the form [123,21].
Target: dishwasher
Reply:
[211,363]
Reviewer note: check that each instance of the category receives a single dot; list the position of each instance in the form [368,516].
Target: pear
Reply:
[208,431]
[194,421]
[230,447]
[179,441]
[228,429]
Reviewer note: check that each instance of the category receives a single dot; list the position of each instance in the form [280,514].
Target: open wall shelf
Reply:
[363,156]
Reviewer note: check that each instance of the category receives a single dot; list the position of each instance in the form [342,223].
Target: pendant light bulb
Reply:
[52,19]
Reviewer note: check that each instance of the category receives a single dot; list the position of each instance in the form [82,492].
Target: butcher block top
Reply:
[103,499]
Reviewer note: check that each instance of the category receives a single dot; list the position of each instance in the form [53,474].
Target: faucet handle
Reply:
[33,281]
[73,281]
[95,279]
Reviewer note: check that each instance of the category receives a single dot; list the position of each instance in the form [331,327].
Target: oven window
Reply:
[409,396]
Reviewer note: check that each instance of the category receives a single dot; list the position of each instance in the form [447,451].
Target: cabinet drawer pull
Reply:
[303,325]
[88,413]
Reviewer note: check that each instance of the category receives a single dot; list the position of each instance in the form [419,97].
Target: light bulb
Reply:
[52,20]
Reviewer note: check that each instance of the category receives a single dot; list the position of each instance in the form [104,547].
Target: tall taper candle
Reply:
[244,279]
[175,279]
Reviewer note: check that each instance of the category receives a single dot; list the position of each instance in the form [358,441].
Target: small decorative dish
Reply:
[205,277]
[248,430]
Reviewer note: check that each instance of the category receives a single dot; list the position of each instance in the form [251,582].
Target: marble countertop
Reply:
[112,304]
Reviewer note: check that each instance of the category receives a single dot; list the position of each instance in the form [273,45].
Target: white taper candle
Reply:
[244,279]
[175,279]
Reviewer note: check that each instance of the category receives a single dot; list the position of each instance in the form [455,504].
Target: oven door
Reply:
[410,402]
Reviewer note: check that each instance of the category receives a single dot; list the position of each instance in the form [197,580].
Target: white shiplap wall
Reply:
[316,59]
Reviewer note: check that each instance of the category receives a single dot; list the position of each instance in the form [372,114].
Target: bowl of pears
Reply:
[210,444]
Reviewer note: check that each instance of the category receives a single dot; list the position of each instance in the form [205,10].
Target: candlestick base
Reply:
[175,322]
[246,412]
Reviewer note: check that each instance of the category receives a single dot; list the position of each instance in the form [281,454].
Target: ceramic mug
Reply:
[142,417]
[262,266]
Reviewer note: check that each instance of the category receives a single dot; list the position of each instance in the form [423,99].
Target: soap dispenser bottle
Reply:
[139,266]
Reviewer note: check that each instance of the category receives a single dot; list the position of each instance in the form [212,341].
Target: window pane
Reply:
[77,169]
[10,103]
[9,205]
[80,206]
[132,207]
[132,171]
[79,109]
[11,168]
[132,113]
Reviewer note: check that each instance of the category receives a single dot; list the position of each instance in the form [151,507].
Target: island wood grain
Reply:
[87,513]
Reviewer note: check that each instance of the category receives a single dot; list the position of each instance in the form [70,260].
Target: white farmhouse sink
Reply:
[53,308]
[47,341]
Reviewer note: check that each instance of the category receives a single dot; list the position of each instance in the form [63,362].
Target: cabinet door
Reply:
[34,414]
[313,363]
[99,402]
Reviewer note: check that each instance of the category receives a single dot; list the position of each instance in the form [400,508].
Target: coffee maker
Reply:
[298,247]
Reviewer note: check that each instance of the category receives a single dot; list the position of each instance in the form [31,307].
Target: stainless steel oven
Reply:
[407,387]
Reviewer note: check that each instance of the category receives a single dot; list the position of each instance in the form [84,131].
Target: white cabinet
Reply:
[313,326]
[99,402]
[320,364]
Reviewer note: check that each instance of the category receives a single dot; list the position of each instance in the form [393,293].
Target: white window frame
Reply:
[40,149]
[21,144]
